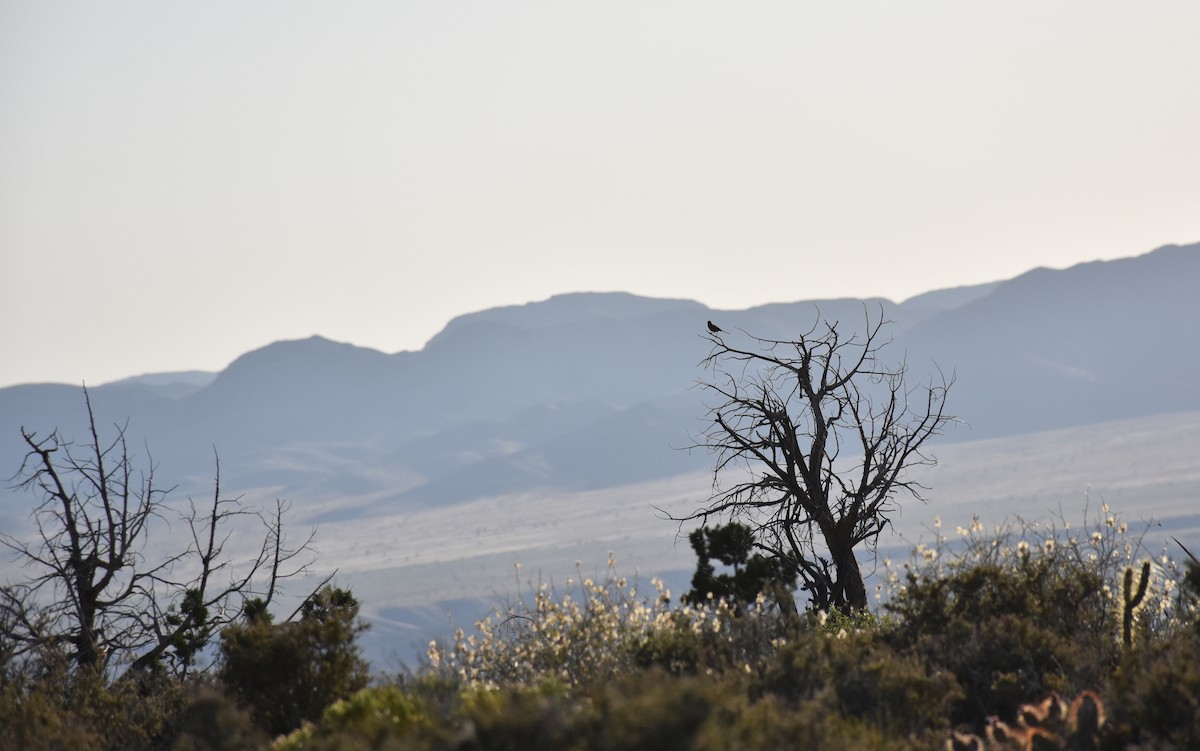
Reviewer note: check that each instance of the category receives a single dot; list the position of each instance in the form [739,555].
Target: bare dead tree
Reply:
[98,592]
[813,438]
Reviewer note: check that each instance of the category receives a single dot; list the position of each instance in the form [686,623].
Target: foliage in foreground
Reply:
[976,633]
[272,678]
[98,591]
[290,672]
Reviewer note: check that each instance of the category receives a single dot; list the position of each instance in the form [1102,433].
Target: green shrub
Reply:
[212,721]
[674,647]
[652,710]
[1025,610]
[48,702]
[769,723]
[1155,694]
[857,674]
[520,717]
[752,574]
[1008,635]
[374,718]
[290,672]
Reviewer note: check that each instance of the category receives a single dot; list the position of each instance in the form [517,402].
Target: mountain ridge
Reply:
[1048,348]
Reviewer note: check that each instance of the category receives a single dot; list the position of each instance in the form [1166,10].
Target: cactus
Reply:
[1052,724]
[1133,601]
[1086,715]
[1051,710]
[965,742]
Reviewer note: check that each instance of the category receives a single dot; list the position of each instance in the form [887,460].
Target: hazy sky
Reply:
[181,182]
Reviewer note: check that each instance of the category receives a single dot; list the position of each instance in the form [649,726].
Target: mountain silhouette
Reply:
[594,390]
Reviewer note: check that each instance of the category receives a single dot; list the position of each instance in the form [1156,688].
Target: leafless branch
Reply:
[818,436]
[106,599]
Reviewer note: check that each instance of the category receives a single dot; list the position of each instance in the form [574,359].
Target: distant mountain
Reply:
[942,300]
[183,379]
[568,309]
[594,390]
[1098,341]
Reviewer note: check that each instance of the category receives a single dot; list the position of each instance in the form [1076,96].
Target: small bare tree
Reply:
[816,435]
[95,593]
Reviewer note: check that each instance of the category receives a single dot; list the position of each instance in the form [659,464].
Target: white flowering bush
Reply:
[1021,609]
[596,629]
[977,623]
[1103,547]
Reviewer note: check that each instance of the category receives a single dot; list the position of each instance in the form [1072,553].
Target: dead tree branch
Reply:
[813,439]
[96,586]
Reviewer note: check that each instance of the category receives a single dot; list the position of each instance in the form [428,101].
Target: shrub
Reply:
[1025,610]
[47,702]
[857,674]
[598,630]
[1005,634]
[652,710]
[972,634]
[1155,695]
[770,723]
[520,717]
[753,574]
[291,672]
[373,718]
[212,721]
[579,636]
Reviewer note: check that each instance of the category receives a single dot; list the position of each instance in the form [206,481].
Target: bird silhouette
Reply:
[714,328]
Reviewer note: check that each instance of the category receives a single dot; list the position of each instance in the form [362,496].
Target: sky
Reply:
[183,182]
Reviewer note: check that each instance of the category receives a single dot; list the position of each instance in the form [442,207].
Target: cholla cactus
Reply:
[1053,725]
[1132,601]
[1085,719]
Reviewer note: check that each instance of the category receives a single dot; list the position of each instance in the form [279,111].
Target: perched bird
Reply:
[714,328]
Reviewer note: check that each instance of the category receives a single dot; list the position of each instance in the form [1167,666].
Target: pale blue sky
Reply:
[181,182]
